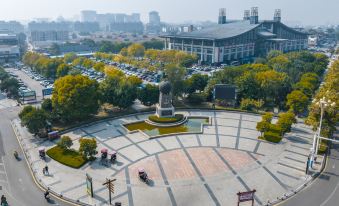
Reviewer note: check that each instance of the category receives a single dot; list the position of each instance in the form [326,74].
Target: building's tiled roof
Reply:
[220,31]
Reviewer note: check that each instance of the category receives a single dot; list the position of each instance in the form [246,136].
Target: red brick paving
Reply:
[207,161]
[237,159]
[176,165]
[151,167]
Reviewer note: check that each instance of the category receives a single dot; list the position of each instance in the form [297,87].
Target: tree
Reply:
[47,105]
[75,97]
[69,57]
[25,111]
[88,147]
[263,127]
[176,76]
[285,121]
[265,124]
[274,85]
[273,53]
[148,95]
[11,86]
[100,66]
[62,70]
[297,101]
[65,142]
[136,50]
[197,82]
[35,120]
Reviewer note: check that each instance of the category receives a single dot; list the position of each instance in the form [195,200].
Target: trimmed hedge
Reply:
[67,157]
[271,137]
[176,118]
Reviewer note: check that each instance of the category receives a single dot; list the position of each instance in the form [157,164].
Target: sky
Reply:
[304,12]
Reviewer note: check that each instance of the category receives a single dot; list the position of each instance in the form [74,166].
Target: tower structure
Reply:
[254,15]
[222,16]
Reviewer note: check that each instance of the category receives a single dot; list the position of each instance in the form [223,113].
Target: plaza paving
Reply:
[195,169]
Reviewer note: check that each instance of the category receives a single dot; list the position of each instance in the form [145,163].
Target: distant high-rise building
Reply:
[154,18]
[11,26]
[88,16]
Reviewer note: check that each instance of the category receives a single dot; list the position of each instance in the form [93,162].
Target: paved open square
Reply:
[191,169]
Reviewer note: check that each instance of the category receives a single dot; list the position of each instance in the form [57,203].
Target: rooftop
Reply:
[220,31]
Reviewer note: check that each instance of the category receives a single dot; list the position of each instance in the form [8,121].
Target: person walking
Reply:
[46,170]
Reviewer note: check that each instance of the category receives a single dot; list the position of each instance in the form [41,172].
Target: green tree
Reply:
[285,121]
[69,57]
[251,104]
[35,120]
[88,147]
[197,82]
[148,95]
[26,110]
[47,105]
[297,101]
[10,86]
[65,142]
[176,76]
[263,127]
[62,70]
[75,97]
[136,50]
[100,66]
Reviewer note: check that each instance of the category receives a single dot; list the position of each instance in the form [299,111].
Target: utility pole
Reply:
[110,186]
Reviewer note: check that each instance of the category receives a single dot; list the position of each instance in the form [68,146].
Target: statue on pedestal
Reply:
[165,107]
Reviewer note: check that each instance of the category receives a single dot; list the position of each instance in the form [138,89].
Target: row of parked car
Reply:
[144,74]
[23,87]
[47,83]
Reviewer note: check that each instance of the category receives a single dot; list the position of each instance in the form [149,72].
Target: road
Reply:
[324,191]
[15,178]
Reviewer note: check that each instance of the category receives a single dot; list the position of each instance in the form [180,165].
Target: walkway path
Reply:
[197,169]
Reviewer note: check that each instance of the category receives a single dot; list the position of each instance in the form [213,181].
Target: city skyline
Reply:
[291,10]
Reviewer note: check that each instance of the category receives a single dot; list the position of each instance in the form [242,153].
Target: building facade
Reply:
[9,48]
[239,41]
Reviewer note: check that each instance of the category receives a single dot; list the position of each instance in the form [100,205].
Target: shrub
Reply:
[251,104]
[196,98]
[70,158]
[272,137]
[88,147]
[176,118]
[65,142]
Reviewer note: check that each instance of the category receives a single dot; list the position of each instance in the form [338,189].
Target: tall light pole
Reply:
[323,103]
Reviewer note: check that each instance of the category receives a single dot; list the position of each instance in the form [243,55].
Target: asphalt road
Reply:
[324,191]
[19,187]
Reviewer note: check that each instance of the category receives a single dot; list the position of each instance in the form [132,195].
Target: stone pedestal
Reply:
[164,112]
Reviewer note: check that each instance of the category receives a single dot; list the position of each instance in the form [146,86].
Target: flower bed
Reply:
[71,158]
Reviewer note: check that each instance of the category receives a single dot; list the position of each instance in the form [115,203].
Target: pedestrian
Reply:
[3,200]
[46,170]
[43,171]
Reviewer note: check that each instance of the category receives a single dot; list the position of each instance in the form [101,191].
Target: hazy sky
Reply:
[303,11]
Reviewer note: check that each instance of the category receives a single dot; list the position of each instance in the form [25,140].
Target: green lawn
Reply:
[70,158]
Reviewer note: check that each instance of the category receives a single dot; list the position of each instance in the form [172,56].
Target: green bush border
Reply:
[156,119]
[271,137]
[71,158]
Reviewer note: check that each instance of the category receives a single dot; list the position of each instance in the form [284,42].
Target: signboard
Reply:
[27,95]
[246,196]
[47,91]
[224,92]
[89,183]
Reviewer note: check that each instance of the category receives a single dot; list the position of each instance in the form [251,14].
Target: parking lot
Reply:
[27,83]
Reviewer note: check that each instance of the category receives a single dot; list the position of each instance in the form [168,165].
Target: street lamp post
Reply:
[323,103]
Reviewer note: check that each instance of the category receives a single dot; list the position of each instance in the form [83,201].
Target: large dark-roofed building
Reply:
[239,41]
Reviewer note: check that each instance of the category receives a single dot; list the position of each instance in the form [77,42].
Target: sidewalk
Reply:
[232,156]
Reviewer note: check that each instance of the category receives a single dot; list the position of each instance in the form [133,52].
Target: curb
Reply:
[293,192]
[38,184]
